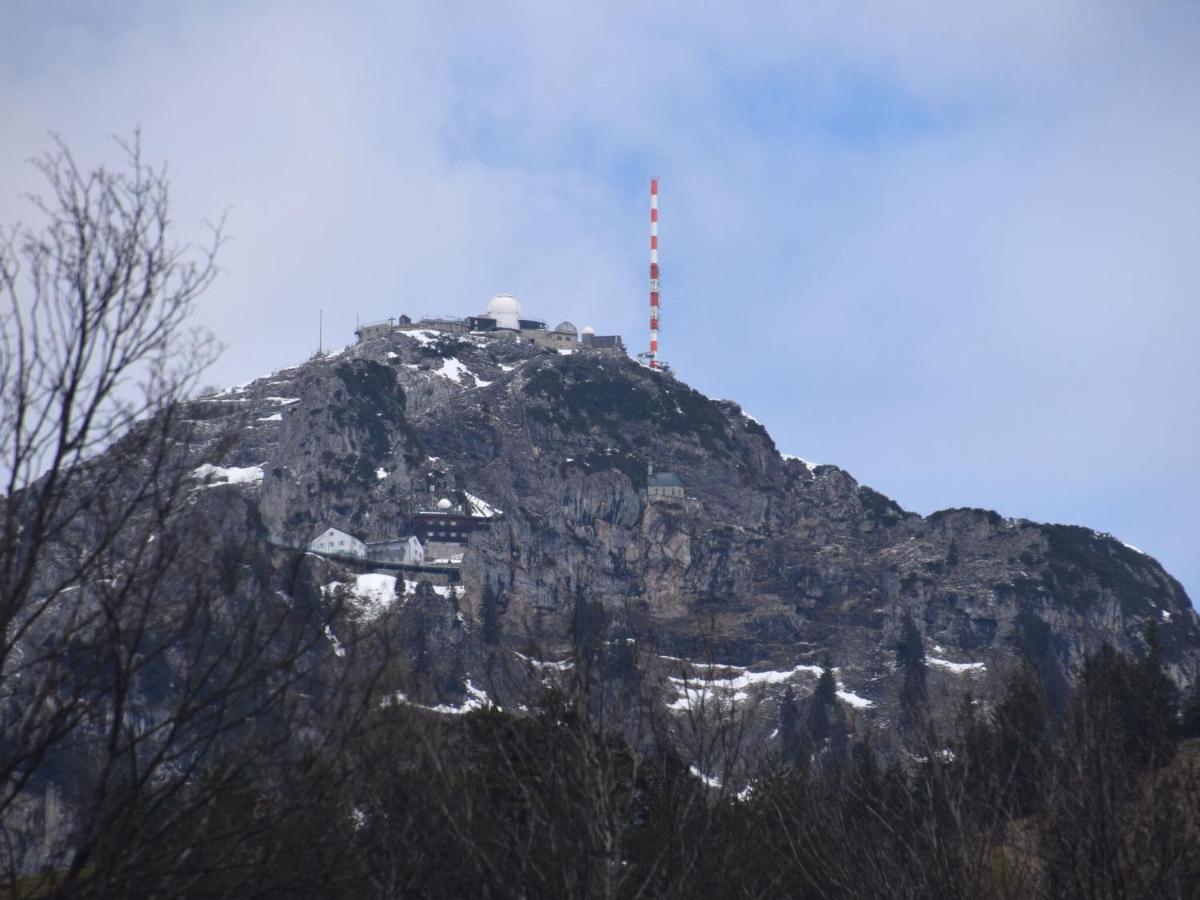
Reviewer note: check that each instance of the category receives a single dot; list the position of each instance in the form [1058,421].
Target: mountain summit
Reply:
[598,499]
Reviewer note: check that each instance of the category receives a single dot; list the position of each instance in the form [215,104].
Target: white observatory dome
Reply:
[566,328]
[505,309]
[443,503]
[588,329]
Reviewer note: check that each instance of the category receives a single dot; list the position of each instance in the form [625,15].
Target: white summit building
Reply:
[334,541]
[503,318]
[505,311]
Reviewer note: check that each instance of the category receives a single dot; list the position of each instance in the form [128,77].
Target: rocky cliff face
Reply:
[697,618]
[767,568]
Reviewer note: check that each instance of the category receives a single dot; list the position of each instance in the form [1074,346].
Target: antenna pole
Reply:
[654,308]
[320,331]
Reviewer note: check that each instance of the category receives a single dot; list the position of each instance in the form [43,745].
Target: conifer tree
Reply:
[910,656]
[821,706]
[1155,703]
[587,632]
[789,732]
[1019,738]
[1189,720]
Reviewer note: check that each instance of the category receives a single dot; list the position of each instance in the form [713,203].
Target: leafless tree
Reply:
[152,656]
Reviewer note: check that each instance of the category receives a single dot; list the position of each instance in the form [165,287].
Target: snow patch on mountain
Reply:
[370,595]
[454,369]
[808,465]
[476,698]
[852,699]
[708,689]
[956,668]
[424,337]
[213,476]
[482,507]
[557,665]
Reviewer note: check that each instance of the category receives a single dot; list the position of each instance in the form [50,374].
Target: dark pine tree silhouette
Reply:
[789,731]
[1019,739]
[821,707]
[1189,717]
[910,656]
[1155,703]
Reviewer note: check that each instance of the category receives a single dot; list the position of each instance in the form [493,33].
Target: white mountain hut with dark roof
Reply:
[337,542]
[405,550]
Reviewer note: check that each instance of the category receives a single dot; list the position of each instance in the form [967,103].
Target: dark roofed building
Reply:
[481,323]
[447,526]
[660,485]
[603,341]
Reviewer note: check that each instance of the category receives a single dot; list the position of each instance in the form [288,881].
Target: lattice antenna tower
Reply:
[655,306]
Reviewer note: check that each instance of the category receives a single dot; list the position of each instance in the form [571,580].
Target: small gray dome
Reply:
[566,328]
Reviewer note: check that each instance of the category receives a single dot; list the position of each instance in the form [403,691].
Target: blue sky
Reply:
[951,249]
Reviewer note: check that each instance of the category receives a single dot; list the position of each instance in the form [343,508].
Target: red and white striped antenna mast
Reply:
[655,312]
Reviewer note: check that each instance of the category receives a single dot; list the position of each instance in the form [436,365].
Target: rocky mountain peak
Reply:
[766,567]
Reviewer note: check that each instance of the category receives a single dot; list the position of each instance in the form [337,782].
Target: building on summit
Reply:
[594,341]
[502,317]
